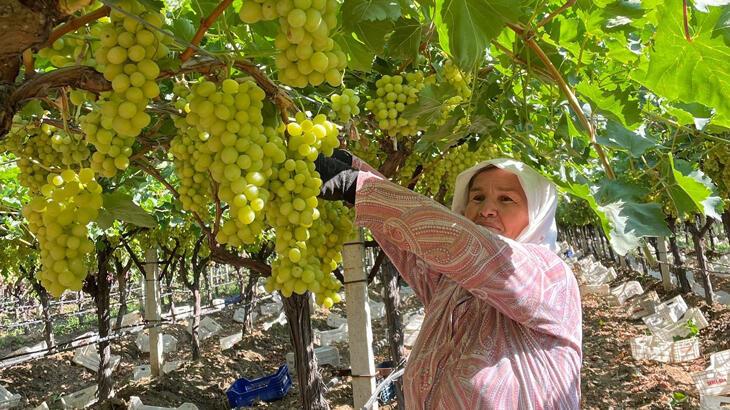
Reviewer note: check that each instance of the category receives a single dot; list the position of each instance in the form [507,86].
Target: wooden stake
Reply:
[358,322]
[152,311]
[663,264]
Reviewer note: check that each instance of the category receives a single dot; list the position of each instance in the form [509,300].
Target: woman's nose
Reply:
[488,210]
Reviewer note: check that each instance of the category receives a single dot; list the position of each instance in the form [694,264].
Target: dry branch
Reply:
[75,24]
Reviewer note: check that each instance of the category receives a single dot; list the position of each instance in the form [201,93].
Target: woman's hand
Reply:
[339,179]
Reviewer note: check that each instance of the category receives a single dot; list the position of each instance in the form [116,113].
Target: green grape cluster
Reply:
[36,156]
[241,155]
[58,217]
[126,56]
[717,166]
[344,106]
[192,158]
[393,95]
[71,49]
[79,97]
[367,151]
[72,147]
[461,84]
[307,54]
[294,211]
[442,171]
[405,172]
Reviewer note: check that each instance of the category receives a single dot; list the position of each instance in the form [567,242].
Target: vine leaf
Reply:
[356,11]
[617,136]
[405,40]
[690,190]
[696,71]
[631,221]
[119,206]
[621,105]
[430,104]
[359,57]
[466,27]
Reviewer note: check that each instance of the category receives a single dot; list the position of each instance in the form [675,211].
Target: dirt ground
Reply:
[611,378]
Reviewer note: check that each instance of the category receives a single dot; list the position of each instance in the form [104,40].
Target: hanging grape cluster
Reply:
[126,56]
[461,84]
[307,54]
[71,146]
[344,106]
[36,156]
[393,95]
[71,49]
[58,218]
[302,261]
[443,170]
[717,166]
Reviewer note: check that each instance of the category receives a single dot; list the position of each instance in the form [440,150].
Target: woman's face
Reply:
[498,202]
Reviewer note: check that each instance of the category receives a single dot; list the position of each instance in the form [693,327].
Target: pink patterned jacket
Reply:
[502,326]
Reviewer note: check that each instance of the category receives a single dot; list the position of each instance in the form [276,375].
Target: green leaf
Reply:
[630,221]
[153,4]
[356,11]
[359,57]
[183,28]
[691,192]
[696,71]
[614,190]
[445,132]
[405,40]
[121,207]
[465,27]
[618,137]
[374,34]
[430,104]
[621,105]
[32,108]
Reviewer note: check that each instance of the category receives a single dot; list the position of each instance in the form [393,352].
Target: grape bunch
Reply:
[444,169]
[36,156]
[241,155]
[393,95]
[294,212]
[72,147]
[126,56]
[344,105]
[717,166]
[71,49]
[58,217]
[307,54]
[461,84]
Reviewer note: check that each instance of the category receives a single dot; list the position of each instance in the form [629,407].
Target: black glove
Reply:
[342,156]
[339,179]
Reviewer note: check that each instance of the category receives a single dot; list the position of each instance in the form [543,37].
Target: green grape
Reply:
[717,166]
[58,218]
[460,82]
[36,157]
[393,95]
[69,50]
[307,53]
[306,230]
[344,105]
[126,53]
[72,147]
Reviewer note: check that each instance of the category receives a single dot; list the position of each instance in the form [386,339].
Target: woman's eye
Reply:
[477,198]
[506,199]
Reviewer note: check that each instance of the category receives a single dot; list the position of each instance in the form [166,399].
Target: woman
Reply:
[502,325]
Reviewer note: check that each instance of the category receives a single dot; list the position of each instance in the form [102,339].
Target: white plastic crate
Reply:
[674,308]
[81,399]
[88,357]
[327,337]
[601,290]
[335,321]
[406,292]
[720,360]
[84,338]
[238,315]
[169,343]
[208,328]
[679,329]
[695,314]
[377,309]
[218,304]
[623,292]
[714,402]
[228,342]
[270,309]
[658,322]
[686,350]
[324,354]
[145,370]
[643,305]
[281,319]
[130,320]
[651,348]
[182,311]
[135,403]
[711,382]
[9,400]
[28,352]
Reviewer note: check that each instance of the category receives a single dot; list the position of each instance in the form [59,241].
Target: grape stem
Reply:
[28,63]
[687,36]
[74,24]
[528,37]
[204,26]
[559,10]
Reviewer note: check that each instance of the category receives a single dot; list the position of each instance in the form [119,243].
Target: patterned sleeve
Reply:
[526,282]
[410,267]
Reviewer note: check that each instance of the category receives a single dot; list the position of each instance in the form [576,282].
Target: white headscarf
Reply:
[542,200]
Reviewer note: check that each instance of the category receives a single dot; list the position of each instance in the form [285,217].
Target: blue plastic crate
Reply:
[244,392]
[229,300]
